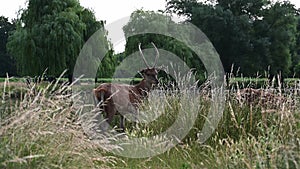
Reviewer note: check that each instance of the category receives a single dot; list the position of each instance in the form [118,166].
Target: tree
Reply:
[230,34]
[7,64]
[296,54]
[282,29]
[251,34]
[50,35]
[145,21]
[107,66]
[295,68]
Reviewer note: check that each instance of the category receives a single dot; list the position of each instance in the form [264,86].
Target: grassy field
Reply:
[43,130]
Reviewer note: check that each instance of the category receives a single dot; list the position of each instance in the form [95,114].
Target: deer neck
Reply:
[143,87]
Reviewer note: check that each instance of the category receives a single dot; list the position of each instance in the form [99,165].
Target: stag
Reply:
[121,99]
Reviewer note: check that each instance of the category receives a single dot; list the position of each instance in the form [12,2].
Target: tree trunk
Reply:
[70,78]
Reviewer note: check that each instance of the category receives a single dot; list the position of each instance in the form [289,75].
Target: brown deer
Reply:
[122,98]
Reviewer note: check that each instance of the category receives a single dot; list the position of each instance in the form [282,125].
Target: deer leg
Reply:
[122,123]
[109,115]
[98,101]
[108,112]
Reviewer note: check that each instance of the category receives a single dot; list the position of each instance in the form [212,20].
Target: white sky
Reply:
[109,10]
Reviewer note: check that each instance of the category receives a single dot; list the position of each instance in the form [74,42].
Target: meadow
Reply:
[41,127]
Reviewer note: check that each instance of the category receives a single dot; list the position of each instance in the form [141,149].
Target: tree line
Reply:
[251,36]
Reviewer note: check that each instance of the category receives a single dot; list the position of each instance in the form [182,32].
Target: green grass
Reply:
[13,79]
[43,130]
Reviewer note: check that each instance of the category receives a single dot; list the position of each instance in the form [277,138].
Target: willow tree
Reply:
[50,35]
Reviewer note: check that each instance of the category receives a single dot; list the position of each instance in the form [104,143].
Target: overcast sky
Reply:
[109,10]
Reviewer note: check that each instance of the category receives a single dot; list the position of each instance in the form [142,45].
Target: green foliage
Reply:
[50,35]
[296,51]
[108,64]
[297,70]
[282,24]
[7,64]
[147,21]
[251,35]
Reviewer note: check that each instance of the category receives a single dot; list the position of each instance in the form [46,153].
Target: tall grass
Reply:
[42,130]
[258,129]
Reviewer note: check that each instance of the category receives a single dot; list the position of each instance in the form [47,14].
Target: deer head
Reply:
[150,76]
[150,73]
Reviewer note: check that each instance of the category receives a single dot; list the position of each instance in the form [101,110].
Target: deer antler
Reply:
[157,54]
[143,57]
